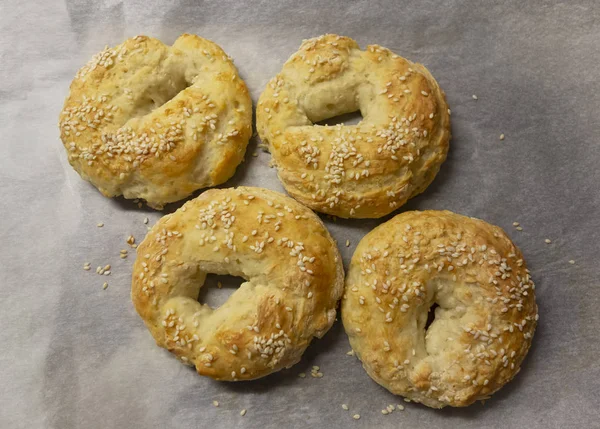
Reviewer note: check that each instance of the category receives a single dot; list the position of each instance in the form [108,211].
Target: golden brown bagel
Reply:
[361,171]
[146,120]
[293,272]
[486,313]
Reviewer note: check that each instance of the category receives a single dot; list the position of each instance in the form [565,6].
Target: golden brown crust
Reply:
[146,120]
[484,323]
[361,171]
[293,272]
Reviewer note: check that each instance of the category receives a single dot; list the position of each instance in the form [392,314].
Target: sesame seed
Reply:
[571,262]
[105,285]
[547,241]
[216,403]
[519,228]
[515,223]
[347,243]
[501,136]
[243,412]
[474,97]
[146,220]
[356,416]
[345,407]
[100,224]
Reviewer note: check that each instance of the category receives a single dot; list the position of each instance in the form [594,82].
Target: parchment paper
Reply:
[73,355]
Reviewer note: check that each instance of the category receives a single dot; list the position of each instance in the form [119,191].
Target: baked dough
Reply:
[293,272]
[486,313]
[360,171]
[149,121]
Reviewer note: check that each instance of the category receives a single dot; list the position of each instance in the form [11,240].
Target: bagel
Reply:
[355,171]
[486,313]
[145,120]
[293,272]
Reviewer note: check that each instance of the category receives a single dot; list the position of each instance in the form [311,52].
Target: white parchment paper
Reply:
[73,355]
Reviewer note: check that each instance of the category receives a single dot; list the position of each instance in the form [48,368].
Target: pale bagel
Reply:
[486,313]
[293,272]
[149,121]
[359,171]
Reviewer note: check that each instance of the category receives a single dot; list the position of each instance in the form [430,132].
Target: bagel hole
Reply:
[351,118]
[158,94]
[217,289]
[430,316]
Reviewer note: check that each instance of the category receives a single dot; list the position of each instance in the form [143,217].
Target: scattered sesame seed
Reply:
[519,228]
[254,154]
[406,400]
[571,262]
[345,407]
[356,416]
[350,353]
[474,97]
[216,403]
[547,241]
[347,243]
[243,412]
[302,375]
[501,136]
[515,223]
[146,220]
[100,224]
[105,285]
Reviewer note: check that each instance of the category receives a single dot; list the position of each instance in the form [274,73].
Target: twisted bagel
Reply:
[486,313]
[293,272]
[146,120]
[359,171]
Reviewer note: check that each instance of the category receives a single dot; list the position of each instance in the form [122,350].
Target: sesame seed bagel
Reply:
[293,272]
[356,171]
[146,120]
[484,320]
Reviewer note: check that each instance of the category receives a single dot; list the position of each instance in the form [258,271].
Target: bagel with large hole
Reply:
[475,280]
[293,272]
[353,171]
[156,122]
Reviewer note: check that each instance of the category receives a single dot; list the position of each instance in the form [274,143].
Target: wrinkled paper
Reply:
[75,355]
